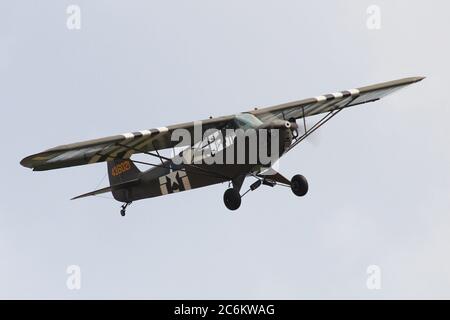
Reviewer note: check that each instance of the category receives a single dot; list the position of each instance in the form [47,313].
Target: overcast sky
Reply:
[379,174]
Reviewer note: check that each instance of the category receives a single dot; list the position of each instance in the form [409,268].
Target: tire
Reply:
[299,185]
[232,199]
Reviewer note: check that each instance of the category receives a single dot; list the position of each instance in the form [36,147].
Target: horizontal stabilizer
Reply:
[108,189]
[93,193]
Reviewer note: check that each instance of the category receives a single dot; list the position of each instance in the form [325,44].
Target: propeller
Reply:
[313,139]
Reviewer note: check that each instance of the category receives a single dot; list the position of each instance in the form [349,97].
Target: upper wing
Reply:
[334,101]
[118,146]
[124,145]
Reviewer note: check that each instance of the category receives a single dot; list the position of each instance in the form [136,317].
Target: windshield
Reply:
[247,121]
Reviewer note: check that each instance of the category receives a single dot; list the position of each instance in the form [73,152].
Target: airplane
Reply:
[208,139]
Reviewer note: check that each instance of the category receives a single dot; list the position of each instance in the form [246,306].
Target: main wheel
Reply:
[299,185]
[122,213]
[232,199]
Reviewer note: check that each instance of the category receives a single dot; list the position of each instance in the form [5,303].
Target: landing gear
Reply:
[124,209]
[299,185]
[232,199]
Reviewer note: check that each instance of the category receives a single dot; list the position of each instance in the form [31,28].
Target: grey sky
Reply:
[379,174]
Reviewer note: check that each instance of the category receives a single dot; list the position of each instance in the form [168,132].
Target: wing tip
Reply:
[27,162]
[418,79]
[410,80]
[31,162]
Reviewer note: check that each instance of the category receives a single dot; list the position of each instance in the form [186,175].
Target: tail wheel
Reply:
[299,185]
[232,199]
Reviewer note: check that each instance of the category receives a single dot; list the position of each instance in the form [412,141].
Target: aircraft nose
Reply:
[291,125]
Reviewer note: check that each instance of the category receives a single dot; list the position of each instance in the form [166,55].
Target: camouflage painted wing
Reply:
[334,101]
[121,146]
[124,145]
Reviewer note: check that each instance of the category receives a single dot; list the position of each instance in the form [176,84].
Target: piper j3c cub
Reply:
[212,139]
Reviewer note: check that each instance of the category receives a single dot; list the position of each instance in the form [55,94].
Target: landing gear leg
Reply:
[124,209]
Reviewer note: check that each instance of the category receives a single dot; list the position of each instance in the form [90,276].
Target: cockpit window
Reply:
[247,121]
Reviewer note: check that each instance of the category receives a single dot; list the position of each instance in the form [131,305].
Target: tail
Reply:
[123,175]
[122,172]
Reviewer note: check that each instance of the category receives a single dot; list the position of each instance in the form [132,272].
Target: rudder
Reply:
[121,171]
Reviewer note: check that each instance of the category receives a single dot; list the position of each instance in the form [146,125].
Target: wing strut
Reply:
[318,124]
[190,166]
